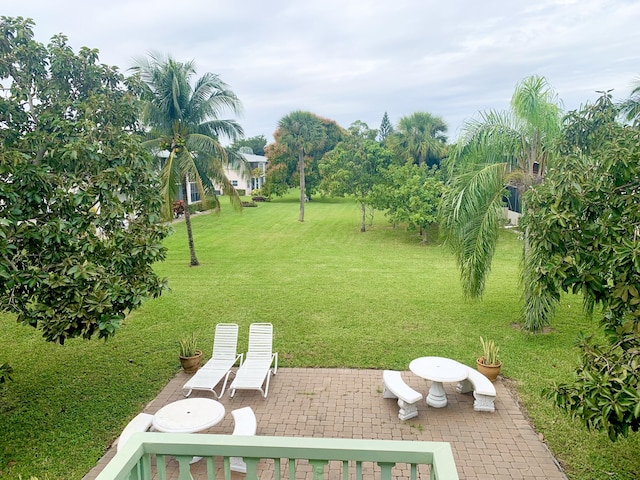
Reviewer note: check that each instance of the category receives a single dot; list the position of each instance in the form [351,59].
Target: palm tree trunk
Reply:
[302,185]
[187,222]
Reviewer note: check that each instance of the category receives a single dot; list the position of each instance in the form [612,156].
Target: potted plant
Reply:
[189,354]
[489,363]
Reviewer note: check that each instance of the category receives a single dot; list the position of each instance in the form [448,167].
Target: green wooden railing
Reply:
[146,456]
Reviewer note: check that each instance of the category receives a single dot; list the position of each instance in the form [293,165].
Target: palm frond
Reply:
[471,218]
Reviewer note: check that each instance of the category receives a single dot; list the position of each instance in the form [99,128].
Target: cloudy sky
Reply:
[355,59]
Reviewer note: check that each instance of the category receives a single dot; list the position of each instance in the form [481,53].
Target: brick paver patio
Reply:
[345,403]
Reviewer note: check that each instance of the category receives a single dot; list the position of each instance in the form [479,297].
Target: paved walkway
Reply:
[344,403]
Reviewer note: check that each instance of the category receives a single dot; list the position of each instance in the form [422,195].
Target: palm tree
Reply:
[421,137]
[299,133]
[498,149]
[631,106]
[183,122]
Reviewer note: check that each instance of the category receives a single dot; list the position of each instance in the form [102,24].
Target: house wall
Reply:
[241,180]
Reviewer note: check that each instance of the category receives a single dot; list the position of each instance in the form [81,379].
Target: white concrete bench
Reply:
[408,398]
[244,424]
[483,390]
[139,423]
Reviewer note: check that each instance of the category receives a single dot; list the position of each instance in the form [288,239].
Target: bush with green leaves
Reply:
[584,235]
[79,198]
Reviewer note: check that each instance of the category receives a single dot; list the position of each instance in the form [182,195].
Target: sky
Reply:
[351,60]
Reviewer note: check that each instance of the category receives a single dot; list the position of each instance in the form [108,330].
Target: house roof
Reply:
[254,158]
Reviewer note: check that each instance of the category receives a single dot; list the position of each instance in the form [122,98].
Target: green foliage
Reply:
[419,139]
[188,346]
[302,138]
[353,168]
[483,161]
[409,193]
[256,144]
[490,352]
[79,203]
[583,225]
[386,129]
[184,123]
[605,394]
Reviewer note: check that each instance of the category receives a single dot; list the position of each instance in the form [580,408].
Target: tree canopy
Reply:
[302,138]
[256,144]
[584,235]
[498,149]
[79,204]
[183,118]
[354,167]
[419,138]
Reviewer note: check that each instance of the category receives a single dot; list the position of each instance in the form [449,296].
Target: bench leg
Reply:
[407,410]
[464,386]
[386,393]
[483,403]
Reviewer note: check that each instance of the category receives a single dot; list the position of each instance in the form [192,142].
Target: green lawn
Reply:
[336,297]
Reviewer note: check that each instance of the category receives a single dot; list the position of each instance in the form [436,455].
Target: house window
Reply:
[193,191]
[234,183]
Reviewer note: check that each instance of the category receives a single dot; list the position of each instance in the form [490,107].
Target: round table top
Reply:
[188,416]
[439,369]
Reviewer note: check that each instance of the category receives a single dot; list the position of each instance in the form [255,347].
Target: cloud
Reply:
[355,60]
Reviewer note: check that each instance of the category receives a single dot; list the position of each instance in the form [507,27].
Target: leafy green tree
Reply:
[420,138]
[410,194]
[184,123]
[584,235]
[299,133]
[386,129]
[256,144]
[79,204]
[499,148]
[283,171]
[354,166]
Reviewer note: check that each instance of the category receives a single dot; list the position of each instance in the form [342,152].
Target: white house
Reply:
[240,178]
[256,177]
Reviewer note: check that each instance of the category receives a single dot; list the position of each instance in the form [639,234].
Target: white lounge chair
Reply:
[224,357]
[256,369]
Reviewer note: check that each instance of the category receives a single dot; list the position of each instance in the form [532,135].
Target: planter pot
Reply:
[489,371]
[191,364]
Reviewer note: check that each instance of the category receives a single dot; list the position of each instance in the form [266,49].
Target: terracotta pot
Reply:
[489,371]
[191,364]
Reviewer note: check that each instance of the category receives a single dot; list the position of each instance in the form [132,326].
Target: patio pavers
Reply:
[347,403]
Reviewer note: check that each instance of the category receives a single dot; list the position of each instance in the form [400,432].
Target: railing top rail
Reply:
[438,454]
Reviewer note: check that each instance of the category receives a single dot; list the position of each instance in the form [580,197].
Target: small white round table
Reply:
[438,370]
[188,416]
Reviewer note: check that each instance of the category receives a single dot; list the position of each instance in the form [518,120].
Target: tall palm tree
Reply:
[299,133]
[183,120]
[498,149]
[631,106]
[421,137]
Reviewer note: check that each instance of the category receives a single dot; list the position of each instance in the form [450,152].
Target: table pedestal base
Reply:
[437,397]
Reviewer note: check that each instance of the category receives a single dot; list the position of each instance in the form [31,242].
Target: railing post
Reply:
[318,468]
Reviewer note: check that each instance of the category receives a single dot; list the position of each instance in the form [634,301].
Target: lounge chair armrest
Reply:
[241,357]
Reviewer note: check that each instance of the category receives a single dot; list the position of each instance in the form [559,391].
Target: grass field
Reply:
[336,298]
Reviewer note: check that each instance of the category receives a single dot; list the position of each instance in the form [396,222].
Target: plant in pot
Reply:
[189,354]
[489,363]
